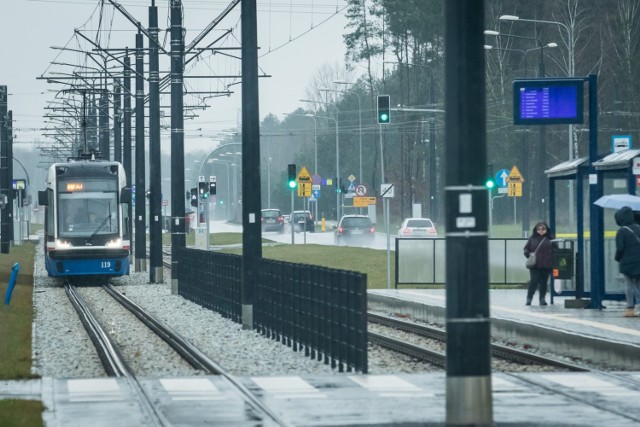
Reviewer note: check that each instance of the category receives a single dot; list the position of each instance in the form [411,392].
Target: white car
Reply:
[417,227]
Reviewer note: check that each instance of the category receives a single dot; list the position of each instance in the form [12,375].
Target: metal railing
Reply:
[318,309]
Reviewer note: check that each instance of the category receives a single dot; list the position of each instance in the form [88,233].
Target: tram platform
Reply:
[602,336]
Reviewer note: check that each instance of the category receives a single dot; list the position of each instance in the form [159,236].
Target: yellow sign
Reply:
[304,176]
[360,202]
[515,176]
[515,189]
[304,189]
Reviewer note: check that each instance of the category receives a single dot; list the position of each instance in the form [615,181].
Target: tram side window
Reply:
[125,221]
[49,226]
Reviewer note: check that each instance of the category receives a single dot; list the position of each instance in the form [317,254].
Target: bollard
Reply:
[324,224]
[12,282]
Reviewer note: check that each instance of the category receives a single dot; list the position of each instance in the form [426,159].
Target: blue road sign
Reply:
[501,178]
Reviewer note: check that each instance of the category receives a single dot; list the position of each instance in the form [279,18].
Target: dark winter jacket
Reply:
[543,255]
[628,242]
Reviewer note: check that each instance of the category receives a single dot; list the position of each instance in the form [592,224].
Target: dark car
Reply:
[272,220]
[354,229]
[302,220]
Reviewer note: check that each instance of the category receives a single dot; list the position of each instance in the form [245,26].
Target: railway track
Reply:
[116,366]
[438,358]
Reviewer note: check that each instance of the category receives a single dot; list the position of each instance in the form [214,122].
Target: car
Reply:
[354,229]
[272,220]
[417,227]
[302,220]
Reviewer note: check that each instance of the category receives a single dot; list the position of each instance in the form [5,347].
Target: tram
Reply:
[86,224]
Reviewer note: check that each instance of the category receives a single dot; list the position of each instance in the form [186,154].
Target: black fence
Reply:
[319,310]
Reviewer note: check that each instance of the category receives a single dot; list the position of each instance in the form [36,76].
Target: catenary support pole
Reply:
[251,203]
[141,214]
[468,384]
[178,240]
[155,175]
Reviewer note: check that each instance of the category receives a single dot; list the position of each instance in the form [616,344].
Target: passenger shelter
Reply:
[569,217]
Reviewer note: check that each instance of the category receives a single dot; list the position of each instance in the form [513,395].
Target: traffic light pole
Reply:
[291,219]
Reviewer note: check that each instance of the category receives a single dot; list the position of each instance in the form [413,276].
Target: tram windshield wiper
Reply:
[102,224]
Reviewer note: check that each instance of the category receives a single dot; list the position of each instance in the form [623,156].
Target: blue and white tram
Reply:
[86,224]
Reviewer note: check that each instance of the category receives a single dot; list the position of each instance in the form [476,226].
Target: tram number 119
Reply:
[105,264]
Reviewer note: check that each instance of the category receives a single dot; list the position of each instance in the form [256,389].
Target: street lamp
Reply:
[337,155]
[542,149]
[360,177]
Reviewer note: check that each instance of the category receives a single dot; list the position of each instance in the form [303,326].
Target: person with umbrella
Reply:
[628,255]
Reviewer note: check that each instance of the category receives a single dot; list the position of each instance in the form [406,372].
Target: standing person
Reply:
[628,255]
[540,243]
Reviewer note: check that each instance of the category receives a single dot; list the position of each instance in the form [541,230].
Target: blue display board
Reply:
[548,101]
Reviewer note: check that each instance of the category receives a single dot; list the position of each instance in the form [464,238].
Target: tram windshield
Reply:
[87,213]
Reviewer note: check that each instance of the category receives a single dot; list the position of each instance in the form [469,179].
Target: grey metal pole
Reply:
[155,175]
[117,121]
[140,258]
[468,383]
[126,135]
[5,185]
[251,194]
[177,227]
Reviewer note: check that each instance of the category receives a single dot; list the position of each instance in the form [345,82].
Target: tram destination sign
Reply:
[548,101]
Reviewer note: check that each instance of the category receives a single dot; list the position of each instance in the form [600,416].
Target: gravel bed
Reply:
[61,347]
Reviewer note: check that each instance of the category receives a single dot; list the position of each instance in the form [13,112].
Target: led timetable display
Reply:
[548,101]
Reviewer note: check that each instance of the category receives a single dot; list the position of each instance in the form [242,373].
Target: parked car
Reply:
[417,227]
[302,220]
[354,229]
[272,220]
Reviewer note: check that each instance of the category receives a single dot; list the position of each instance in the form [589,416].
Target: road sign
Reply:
[386,190]
[361,190]
[351,188]
[201,178]
[165,203]
[515,176]
[361,202]
[620,143]
[501,177]
[304,176]
[351,178]
[515,189]
[315,193]
[304,189]
[316,179]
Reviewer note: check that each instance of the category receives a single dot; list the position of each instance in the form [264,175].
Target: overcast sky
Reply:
[296,38]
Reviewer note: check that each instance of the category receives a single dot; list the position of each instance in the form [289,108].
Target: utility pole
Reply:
[126,134]
[468,383]
[155,176]
[141,215]
[251,234]
[5,185]
[117,122]
[178,238]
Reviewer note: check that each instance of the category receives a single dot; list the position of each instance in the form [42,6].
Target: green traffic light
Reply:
[384,118]
[490,183]
[292,184]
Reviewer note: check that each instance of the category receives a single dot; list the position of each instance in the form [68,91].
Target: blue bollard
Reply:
[12,282]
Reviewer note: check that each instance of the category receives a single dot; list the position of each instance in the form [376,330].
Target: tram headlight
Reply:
[62,244]
[115,243]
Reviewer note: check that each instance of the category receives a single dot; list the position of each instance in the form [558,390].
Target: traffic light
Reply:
[336,185]
[203,190]
[291,182]
[194,197]
[384,109]
[490,182]
[212,185]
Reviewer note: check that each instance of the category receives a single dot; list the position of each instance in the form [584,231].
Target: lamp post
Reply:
[570,73]
[542,149]
[360,177]
[525,152]
[337,156]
